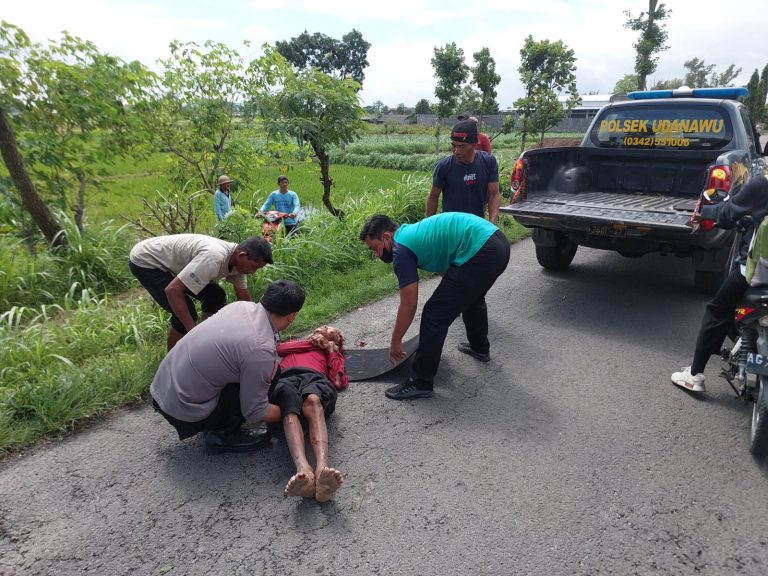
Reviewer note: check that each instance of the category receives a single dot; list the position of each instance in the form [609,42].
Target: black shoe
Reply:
[467,349]
[411,388]
[237,441]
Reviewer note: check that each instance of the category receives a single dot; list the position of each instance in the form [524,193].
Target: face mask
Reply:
[386,255]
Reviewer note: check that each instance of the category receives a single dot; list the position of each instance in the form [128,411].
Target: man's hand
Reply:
[396,352]
[320,341]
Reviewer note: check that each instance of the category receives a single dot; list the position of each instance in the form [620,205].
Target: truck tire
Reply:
[707,282]
[556,257]
[758,436]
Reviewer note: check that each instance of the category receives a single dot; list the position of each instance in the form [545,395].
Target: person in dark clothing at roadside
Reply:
[468,179]
[470,253]
[751,200]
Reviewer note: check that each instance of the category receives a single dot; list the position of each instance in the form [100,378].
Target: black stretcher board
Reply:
[367,363]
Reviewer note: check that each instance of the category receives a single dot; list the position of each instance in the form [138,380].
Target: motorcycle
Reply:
[747,364]
[272,222]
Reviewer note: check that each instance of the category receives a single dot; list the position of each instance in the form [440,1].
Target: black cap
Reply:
[464,131]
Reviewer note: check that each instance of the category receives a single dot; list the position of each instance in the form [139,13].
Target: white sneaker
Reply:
[692,382]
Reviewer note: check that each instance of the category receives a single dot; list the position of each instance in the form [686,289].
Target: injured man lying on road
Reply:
[311,372]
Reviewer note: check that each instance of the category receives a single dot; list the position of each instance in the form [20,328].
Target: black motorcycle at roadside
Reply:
[747,364]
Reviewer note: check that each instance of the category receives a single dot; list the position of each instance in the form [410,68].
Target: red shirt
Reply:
[301,353]
[483,143]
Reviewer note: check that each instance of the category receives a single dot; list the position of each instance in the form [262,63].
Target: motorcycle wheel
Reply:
[758,441]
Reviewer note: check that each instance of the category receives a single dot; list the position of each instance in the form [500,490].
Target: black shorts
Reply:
[295,384]
[212,298]
[226,416]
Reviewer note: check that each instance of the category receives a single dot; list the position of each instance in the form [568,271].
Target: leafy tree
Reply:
[547,70]
[762,93]
[698,73]
[199,109]
[626,85]
[451,72]
[343,59]
[668,84]
[469,100]
[701,75]
[402,109]
[485,78]
[313,108]
[727,77]
[74,109]
[422,107]
[652,38]
[755,103]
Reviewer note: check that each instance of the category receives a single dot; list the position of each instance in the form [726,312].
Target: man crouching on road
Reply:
[218,376]
[471,253]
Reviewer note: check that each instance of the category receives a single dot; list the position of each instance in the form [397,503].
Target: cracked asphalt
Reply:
[569,453]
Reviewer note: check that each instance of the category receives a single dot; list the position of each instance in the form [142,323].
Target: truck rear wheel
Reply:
[557,257]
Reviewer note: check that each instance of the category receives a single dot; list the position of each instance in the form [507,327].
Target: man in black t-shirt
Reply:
[468,179]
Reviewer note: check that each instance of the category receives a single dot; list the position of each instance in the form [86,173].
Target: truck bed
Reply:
[594,207]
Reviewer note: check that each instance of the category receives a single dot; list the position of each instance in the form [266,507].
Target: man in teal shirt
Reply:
[284,200]
[470,253]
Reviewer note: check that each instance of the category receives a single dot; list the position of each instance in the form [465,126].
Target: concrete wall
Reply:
[495,121]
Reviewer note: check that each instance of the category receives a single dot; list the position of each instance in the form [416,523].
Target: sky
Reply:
[404,33]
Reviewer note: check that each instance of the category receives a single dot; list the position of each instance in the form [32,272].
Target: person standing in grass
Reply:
[218,376]
[470,253]
[222,201]
[284,200]
[312,371]
[468,179]
[178,268]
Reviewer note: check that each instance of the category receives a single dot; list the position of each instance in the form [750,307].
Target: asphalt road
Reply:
[569,453]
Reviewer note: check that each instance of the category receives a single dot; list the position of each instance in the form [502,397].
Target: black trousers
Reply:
[718,319]
[461,291]
[226,417]
[212,297]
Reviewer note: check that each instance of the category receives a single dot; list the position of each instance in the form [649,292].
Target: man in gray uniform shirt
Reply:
[218,376]
[177,268]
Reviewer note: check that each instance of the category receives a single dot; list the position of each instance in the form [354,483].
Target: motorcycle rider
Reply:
[750,200]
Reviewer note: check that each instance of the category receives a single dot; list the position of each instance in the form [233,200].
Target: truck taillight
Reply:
[517,181]
[720,178]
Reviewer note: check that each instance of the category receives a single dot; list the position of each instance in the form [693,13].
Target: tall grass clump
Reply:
[70,362]
[94,260]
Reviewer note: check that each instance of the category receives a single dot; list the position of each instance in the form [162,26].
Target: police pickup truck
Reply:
[633,183]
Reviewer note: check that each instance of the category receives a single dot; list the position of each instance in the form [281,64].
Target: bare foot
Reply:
[328,481]
[301,484]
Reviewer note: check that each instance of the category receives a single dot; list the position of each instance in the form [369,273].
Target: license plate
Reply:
[616,230]
[757,364]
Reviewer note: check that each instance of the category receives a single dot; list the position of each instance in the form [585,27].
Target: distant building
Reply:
[577,120]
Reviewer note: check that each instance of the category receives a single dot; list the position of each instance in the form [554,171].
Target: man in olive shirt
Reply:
[177,268]
[218,376]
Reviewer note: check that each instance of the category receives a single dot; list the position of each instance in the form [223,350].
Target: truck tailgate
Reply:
[636,210]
